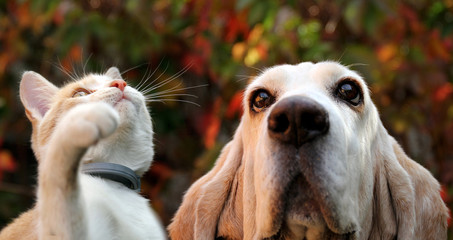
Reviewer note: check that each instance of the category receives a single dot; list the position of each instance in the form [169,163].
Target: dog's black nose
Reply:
[297,120]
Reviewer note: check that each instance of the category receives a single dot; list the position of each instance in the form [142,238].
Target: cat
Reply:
[95,119]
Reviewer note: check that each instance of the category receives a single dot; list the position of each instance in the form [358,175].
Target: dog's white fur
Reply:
[355,182]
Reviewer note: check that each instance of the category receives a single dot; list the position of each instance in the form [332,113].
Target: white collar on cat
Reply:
[114,172]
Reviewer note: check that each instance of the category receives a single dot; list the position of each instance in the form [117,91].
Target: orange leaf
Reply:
[387,52]
[238,50]
[211,124]
[23,14]
[211,132]
[74,55]
[7,162]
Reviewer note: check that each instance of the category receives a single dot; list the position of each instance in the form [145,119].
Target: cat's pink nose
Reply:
[121,84]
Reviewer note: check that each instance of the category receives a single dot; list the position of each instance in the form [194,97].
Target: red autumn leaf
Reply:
[236,25]
[198,57]
[162,173]
[203,46]
[443,92]
[203,11]
[262,50]
[412,19]
[196,63]
[437,48]
[443,193]
[446,199]
[60,13]
[5,59]
[235,105]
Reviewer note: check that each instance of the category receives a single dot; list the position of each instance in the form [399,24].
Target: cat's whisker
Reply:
[171,95]
[154,100]
[174,90]
[63,70]
[146,77]
[166,95]
[74,70]
[165,82]
[152,82]
[85,64]
[161,84]
[132,68]
[171,89]
[173,100]
[139,85]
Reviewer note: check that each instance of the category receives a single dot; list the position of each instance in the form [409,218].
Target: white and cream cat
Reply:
[97,118]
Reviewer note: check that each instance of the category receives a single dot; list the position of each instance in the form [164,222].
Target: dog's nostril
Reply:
[315,121]
[279,123]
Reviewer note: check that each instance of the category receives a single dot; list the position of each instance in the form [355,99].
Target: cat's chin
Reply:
[129,102]
[121,101]
[125,106]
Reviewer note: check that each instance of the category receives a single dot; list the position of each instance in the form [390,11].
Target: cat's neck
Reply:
[113,172]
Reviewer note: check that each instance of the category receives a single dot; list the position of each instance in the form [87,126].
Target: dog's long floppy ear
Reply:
[408,203]
[203,203]
[431,213]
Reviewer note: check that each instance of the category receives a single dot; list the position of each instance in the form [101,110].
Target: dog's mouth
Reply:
[302,215]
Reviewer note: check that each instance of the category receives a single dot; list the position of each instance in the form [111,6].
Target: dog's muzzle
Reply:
[322,187]
[297,120]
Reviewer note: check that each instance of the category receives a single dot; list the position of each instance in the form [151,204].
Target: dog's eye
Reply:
[260,100]
[349,91]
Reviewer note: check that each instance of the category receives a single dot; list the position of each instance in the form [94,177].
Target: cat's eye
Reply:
[349,91]
[261,99]
[80,92]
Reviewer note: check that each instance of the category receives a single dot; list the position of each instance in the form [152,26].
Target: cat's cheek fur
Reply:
[109,95]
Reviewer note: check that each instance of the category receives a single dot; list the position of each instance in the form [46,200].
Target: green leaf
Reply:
[241,4]
[353,16]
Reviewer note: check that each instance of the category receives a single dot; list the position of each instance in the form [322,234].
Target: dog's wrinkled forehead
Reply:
[290,77]
[325,82]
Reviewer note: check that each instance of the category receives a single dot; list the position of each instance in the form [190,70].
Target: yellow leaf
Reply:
[253,56]
[256,34]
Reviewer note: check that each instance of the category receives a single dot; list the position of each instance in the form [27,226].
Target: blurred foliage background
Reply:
[402,48]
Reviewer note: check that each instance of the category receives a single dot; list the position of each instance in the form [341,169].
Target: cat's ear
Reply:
[114,73]
[36,94]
